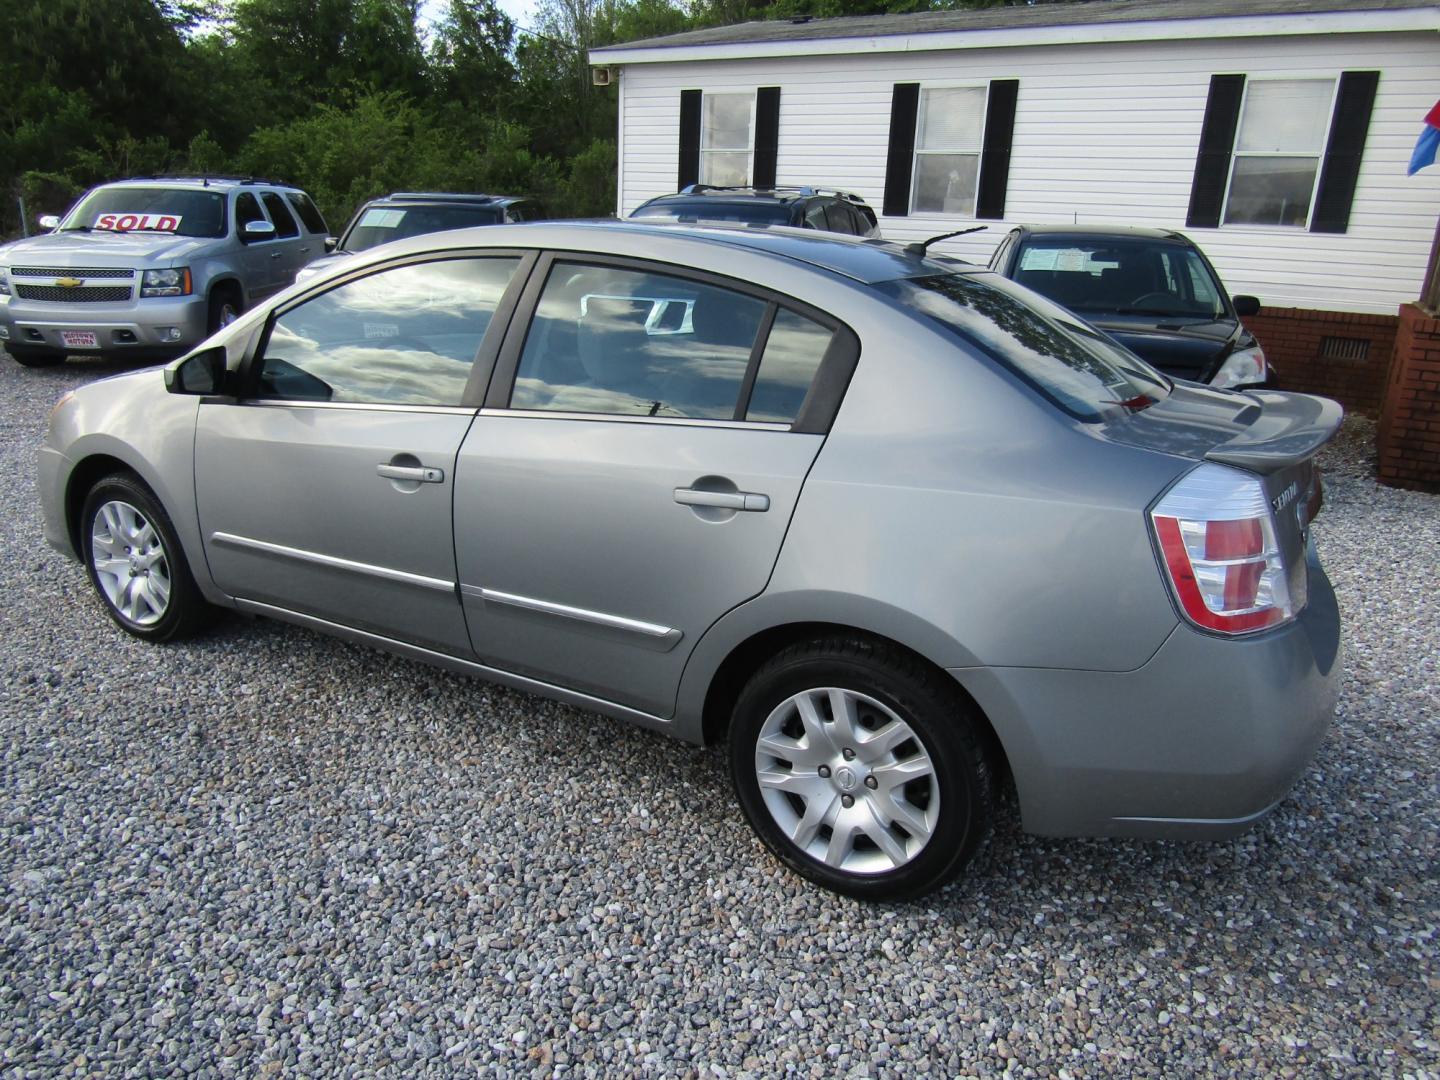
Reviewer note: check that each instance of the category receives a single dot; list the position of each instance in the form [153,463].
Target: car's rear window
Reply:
[751,213]
[381,224]
[1085,373]
[181,211]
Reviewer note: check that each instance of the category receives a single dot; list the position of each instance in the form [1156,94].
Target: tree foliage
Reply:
[348,98]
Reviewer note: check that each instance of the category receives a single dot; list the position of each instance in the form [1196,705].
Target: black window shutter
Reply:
[767,135]
[1217,143]
[904,101]
[995,161]
[1348,128]
[689,139]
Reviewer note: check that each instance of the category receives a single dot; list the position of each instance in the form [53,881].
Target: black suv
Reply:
[1152,290]
[802,207]
[414,213]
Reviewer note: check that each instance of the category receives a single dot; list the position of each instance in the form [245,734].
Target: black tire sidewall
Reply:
[36,359]
[186,604]
[936,721]
[218,299]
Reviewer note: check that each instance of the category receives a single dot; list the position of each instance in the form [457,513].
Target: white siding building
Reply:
[1275,133]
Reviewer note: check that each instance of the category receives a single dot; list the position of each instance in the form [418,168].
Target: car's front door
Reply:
[259,256]
[327,488]
[634,480]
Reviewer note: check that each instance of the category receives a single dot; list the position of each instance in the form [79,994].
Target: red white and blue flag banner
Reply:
[1427,144]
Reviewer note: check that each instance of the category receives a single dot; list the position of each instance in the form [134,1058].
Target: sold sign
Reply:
[126,222]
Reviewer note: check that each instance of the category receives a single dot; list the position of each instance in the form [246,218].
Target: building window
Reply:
[1278,150]
[949,137]
[727,139]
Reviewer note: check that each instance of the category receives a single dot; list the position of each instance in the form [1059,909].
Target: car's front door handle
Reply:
[725,500]
[420,474]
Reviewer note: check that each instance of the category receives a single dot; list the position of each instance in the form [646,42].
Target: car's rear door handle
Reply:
[422,474]
[725,500]
[277,254]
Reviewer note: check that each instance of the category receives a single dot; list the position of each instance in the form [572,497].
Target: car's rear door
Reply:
[294,247]
[327,488]
[644,443]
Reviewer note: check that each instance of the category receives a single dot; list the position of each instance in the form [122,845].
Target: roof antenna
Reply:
[918,249]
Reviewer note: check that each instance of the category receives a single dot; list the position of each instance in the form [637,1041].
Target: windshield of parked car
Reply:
[749,212]
[1085,373]
[1108,275]
[381,224]
[182,211]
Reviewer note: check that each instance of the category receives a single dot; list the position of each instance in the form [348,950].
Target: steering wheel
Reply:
[1140,301]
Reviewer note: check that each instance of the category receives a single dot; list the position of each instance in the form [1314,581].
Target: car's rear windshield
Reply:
[182,211]
[381,224]
[1121,276]
[751,213]
[1084,372]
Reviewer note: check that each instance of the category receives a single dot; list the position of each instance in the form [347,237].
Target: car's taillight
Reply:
[1217,541]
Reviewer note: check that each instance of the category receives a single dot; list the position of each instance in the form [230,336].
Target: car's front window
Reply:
[381,224]
[1086,373]
[1119,276]
[182,211]
[750,213]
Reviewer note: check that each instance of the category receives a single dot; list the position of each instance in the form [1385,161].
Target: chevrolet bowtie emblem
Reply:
[69,282]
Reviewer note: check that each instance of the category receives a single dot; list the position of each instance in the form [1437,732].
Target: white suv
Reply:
[149,267]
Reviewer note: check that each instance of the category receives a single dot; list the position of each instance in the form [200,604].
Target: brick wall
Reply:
[1408,440]
[1339,354]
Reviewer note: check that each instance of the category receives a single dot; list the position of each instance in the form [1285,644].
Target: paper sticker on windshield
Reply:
[382,219]
[381,330]
[126,222]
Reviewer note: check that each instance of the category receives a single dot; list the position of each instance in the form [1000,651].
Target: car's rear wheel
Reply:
[135,562]
[861,768]
[33,357]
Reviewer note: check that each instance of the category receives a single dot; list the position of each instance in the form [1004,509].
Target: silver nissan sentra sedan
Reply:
[895,527]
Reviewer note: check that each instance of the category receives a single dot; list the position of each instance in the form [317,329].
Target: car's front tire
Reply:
[136,564]
[861,768]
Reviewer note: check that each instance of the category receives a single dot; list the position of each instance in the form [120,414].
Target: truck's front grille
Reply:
[71,271]
[97,294]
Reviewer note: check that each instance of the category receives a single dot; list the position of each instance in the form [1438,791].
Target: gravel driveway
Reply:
[268,852]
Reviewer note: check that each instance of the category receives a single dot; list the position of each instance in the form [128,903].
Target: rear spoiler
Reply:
[1286,429]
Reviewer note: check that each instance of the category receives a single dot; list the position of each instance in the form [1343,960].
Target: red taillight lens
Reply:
[1217,541]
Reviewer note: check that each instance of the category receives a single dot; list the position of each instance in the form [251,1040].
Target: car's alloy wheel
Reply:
[847,781]
[134,560]
[861,767]
[129,563]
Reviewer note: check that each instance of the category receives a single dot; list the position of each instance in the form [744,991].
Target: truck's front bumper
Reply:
[1199,743]
[149,327]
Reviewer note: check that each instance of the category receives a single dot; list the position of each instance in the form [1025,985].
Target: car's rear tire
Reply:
[225,307]
[136,564]
[34,357]
[886,792]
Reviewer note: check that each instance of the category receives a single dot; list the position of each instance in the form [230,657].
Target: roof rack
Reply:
[449,196]
[804,191]
[218,178]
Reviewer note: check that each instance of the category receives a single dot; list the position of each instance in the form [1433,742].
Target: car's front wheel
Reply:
[861,768]
[135,562]
[34,357]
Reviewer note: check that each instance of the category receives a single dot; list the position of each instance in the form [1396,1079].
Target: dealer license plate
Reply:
[79,339]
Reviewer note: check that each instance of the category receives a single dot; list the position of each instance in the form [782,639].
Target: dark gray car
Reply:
[894,527]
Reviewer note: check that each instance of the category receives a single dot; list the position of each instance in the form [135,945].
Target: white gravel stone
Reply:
[267,852]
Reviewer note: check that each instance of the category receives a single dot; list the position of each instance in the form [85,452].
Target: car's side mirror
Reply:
[331,243]
[1245,305]
[203,373]
[257,230]
[48,221]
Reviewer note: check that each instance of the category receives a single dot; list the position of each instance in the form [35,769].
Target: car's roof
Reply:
[864,260]
[1119,232]
[221,183]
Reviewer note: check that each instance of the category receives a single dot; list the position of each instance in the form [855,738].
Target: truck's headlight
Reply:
[174,282]
[1243,367]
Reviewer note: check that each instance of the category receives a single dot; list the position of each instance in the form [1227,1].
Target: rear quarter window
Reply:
[1084,372]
